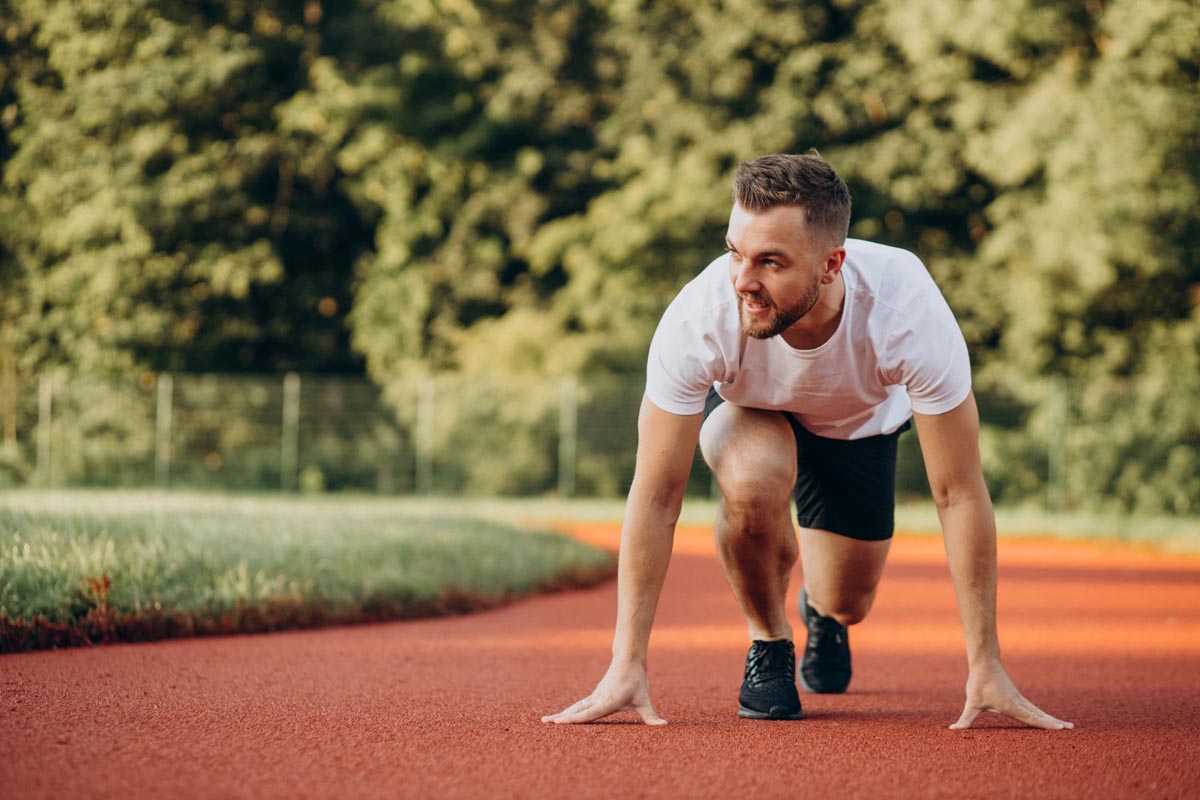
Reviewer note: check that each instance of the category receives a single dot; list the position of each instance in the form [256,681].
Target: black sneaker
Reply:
[825,668]
[769,688]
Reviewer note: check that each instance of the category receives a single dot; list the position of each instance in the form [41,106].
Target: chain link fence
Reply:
[468,436]
[443,434]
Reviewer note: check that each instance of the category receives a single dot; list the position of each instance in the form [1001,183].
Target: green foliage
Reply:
[1135,441]
[152,213]
[100,435]
[516,188]
[1094,159]
[495,438]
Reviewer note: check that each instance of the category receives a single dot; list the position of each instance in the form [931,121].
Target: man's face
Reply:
[776,266]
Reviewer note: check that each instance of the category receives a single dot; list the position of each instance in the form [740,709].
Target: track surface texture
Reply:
[1103,635]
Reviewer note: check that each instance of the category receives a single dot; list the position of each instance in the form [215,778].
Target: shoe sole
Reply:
[776,712]
[804,685]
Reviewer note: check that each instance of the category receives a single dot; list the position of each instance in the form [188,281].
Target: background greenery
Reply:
[516,188]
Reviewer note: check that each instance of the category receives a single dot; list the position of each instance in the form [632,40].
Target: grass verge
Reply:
[128,574]
[1166,533]
[90,566]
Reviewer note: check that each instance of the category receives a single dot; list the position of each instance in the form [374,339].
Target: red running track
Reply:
[1103,635]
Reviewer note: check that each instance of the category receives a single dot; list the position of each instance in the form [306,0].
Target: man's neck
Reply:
[817,326]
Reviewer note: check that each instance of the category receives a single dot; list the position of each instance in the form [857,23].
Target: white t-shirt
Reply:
[897,349]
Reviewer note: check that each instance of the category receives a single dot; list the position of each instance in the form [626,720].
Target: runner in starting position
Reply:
[797,359]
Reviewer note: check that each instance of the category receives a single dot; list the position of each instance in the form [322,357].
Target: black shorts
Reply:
[846,487]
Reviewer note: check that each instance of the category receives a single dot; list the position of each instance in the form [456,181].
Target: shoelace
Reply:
[763,663]
[821,629]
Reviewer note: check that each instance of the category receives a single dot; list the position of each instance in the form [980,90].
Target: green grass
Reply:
[184,563]
[1165,533]
[88,567]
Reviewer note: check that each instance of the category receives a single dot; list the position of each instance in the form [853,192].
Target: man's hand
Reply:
[990,689]
[950,445]
[624,686]
[666,447]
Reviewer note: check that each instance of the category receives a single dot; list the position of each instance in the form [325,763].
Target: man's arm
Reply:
[950,446]
[666,447]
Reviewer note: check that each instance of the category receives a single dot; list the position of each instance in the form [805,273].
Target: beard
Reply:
[780,318]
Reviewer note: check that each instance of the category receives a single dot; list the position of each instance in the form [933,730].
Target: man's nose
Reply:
[745,279]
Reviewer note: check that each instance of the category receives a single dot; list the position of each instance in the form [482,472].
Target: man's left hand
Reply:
[990,689]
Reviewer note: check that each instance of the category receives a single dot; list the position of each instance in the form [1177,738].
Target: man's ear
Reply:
[834,259]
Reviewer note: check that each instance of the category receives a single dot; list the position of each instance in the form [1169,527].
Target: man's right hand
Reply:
[624,687]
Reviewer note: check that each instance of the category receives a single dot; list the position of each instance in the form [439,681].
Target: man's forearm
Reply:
[646,540]
[969,530]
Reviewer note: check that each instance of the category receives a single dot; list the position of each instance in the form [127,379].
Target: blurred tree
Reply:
[520,186]
[460,128]
[14,309]
[157,217]
[1095,158]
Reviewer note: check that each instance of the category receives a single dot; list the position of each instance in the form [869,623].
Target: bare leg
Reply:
[752,453]
[841,574]
[840,579]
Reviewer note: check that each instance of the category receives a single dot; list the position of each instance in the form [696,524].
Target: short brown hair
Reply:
[796,180]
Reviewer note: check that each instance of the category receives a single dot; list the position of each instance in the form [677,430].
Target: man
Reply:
[796,360]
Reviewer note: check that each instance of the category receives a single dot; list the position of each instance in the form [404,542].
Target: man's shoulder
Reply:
[705,295]
[692,345]
[891,276]
[876,258]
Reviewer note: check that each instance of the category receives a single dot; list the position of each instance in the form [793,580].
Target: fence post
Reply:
[1057,456]
[162,431]
[289,454]
[8,380]
[425,439]
[45,406]
[568,435]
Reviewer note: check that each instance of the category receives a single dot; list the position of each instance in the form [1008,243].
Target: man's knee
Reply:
[848,609]
[746,448]
[751,481]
